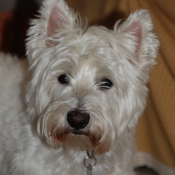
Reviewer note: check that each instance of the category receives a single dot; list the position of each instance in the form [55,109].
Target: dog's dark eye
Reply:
[105,84]
[63,79]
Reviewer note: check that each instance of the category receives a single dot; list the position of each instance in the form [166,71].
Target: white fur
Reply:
[35,137]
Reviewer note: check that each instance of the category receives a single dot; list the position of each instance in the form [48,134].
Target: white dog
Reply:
[85,93]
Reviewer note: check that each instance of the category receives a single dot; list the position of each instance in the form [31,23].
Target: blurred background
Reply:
[155,135]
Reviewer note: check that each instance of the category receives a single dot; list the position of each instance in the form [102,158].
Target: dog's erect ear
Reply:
[60,21]
[54,21]
[57,18]
[140,41]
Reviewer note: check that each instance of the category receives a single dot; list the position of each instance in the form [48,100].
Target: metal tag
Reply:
[89,162]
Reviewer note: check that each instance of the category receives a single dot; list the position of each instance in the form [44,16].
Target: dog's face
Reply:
[88,85]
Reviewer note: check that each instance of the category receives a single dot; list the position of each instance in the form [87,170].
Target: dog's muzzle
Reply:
[77,119]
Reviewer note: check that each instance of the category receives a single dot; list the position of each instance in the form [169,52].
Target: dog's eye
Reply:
[105,84]
[63,79]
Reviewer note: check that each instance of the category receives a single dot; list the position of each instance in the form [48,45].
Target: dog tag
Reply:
[89,170]
[89,162]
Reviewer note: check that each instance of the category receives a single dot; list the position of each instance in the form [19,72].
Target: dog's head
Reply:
[88,84]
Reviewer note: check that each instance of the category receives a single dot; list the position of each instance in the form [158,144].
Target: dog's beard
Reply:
[58,134]
[78,140]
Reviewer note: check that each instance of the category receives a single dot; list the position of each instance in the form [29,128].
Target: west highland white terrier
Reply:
[86,89]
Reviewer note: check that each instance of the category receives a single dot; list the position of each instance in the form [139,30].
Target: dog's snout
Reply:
[77,119]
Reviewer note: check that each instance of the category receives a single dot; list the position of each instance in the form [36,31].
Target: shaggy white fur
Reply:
[86,90]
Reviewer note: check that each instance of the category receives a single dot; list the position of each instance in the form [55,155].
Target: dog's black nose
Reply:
[77,119]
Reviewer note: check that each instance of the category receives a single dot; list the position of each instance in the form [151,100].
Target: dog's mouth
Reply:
[76,139]
[78,132]
[79,139]
[75,132]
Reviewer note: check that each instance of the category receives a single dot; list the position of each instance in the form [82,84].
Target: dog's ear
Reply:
[54,21]
[139,38]
[61,20]
[58,17]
